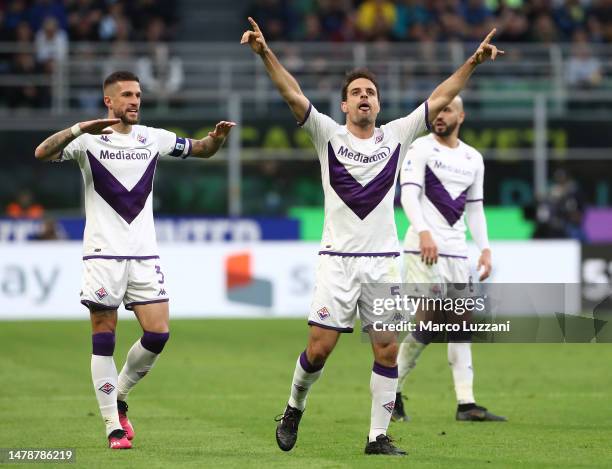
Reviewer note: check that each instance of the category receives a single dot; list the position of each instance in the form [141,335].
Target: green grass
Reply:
[211,399]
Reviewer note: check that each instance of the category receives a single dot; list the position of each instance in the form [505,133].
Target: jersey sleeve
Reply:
[75,150]
[476,190]
[408,128]
[170,144]
[319,126]
[413,167]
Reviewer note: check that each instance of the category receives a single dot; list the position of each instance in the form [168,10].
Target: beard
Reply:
[125,119]
[446,131]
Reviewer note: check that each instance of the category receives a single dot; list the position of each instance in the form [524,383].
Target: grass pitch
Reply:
[211,399]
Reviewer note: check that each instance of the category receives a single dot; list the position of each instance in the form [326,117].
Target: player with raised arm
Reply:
[359,167]
[121,263]
[441,178]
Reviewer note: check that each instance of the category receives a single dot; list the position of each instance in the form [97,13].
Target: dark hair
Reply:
[120,76]
[352,75]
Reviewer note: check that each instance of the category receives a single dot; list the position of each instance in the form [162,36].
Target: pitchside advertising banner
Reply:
[252,280]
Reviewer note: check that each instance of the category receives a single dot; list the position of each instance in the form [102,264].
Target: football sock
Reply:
[460,360]
[304,376]
[104,378]
[383,384]
[409,352]
[140,359]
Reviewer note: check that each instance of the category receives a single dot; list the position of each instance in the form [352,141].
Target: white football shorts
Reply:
[107,283]
[347,285]
[445,278]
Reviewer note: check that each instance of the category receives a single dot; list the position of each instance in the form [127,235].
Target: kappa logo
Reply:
[389,406]
[162,292]
[105,138]
[101,293]
[323,313]
[107,388]
[299,387]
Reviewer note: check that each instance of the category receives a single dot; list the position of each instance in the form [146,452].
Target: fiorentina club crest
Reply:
[101,293]
[107,388]
[380,137]
[389,406]
[141,138]
[323,313]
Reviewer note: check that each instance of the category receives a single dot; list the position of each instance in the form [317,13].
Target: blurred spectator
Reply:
[335,19]
[16,13]
[412,20]
[600,20]
[543,29]
[272,16]
[86,71]
[376,18]
[51,44]
[479,19]
[159,73]
[27,95]
[83,19]
[49,231]
[569,17]
[583,69]
[107,29]
[43,9]
[513,25]
[559,213]
[24,206]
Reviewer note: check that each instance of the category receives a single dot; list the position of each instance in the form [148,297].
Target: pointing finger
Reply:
[489,36]
[254,24]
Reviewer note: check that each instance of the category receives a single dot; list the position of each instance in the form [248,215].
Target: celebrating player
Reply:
[359,167]
[442,177]
[118,158]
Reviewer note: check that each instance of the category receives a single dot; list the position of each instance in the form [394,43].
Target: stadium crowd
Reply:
[433,20]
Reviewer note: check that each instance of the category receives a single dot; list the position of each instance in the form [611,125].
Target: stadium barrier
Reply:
[266,279]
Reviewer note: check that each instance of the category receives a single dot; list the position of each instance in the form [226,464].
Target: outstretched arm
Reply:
[287,86]
[52,147]
[208,146]
[449,88]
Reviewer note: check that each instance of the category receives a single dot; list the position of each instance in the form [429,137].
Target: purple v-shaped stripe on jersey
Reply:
[361,199]
[450,208]
[127,203]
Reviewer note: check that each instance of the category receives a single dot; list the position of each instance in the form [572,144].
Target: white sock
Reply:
[383,384]
[138,363]
[302,380]
[104,377]
[460,360]
[409,351]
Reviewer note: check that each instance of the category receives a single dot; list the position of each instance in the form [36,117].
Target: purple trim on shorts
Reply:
[441,255]
[427,123]
[332,328]
[92,305]
[103,343]
[142,258]
[473,200]
[154,341]
[300,124]
[410,183]
[360,254]
[138,303]
[386,371]
[307,366]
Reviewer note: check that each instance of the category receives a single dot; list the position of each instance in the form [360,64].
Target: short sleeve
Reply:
[411,126]
[319,126]
[476,190]
[170,144]
[75,150]
[413,167]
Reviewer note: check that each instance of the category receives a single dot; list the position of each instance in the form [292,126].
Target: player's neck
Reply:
[121,128]
[360,132]
[451,141]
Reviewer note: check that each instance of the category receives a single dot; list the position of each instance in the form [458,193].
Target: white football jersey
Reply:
[359,177]
[449,178]
[118,171]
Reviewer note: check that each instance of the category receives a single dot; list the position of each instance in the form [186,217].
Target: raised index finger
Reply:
[489,36]
[254,24]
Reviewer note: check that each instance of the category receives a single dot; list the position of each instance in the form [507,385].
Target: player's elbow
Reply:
[39,153]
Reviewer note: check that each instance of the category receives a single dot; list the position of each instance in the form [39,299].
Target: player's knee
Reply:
[318,353]
[423,337]
[154,341]
[103,343]
[386,353]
